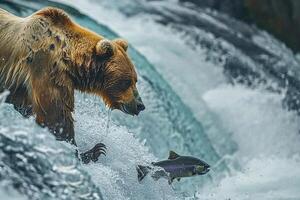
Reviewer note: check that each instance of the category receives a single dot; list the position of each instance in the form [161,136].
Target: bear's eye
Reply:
[125,84]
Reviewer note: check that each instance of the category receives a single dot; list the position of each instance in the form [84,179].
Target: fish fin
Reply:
[142,172]
[178,179]
[173,155]
[170,181]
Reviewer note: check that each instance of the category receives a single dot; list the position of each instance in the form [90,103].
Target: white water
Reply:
[262,178]
[258,123]
[267,135]
[115,174]
[269,142]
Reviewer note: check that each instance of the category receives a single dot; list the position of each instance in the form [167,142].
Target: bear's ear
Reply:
[105,48]
[123,43]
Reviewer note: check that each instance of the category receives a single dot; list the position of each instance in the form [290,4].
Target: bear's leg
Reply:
[53,108]
[21,101]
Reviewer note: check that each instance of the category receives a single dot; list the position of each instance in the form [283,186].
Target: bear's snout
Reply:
[133,107]
[140,106]
[139,103]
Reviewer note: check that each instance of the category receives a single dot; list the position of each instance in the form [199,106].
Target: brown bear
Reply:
[46,56]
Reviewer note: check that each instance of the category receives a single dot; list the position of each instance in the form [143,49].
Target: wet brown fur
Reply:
[45,56]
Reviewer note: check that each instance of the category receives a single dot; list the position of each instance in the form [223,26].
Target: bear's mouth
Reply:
[133,107]
[125,110]
[130,108]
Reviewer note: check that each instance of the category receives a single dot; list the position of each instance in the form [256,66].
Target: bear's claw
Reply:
[94,153]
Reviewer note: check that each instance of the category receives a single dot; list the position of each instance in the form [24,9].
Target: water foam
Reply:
[263,178]
[257,120]
[116,173]
[268,139]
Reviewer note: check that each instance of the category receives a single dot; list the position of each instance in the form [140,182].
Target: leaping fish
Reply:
[175,167]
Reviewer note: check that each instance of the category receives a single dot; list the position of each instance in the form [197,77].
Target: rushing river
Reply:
[213,87]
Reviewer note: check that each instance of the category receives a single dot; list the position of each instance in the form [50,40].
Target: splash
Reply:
[115,173]
[36,165]
[108,122]
[3,96]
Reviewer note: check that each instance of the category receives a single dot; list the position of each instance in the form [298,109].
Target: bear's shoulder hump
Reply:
[55,15]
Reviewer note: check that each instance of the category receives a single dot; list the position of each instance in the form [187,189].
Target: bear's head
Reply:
[119,77]
[110,74]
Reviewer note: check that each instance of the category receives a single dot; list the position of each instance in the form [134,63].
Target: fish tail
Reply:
[142,172]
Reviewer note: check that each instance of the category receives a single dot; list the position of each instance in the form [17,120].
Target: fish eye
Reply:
[199,168]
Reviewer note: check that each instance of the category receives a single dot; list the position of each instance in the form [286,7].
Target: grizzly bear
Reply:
[46,56]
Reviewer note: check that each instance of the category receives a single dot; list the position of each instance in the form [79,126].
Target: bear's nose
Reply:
[140,106]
